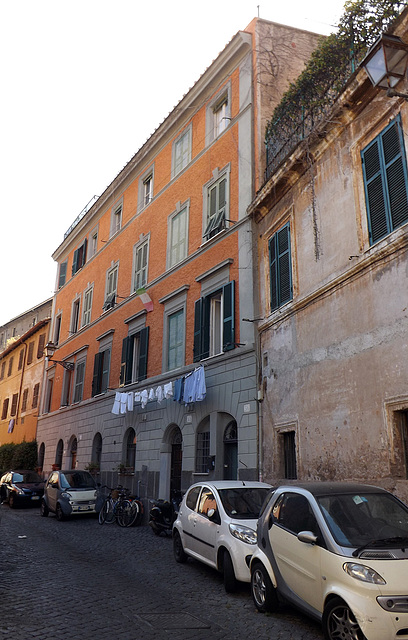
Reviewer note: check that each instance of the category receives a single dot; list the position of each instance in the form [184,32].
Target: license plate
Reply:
[35,497]
[84,508]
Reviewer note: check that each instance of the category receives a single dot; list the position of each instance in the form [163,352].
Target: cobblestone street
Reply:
[79,580]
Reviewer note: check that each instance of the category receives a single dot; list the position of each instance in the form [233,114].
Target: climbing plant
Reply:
[329,67]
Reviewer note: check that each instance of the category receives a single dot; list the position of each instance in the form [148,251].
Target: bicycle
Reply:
[121,507]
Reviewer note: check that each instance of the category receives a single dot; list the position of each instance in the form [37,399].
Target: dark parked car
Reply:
[68,493]
[21,487]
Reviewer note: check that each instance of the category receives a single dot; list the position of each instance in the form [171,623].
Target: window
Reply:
[111,288]
[66,388]
[280,268]
[116,219]
[145,189]
[175,344]
[97,449]
[58,456]
[57,329]
[14,401]
[62,274]
[75,316]
[79,381]
[100,381]
[92,243]
[218,114]
[221,118]
[294,513]
[30,353]
[3,370]
[10,366]
[214,326]
[203,450]
[87,307]
[181,151]
[5,408]
[36,393]
[40,348]
[288,448]
[134,357]
[48,397]
[177,237]
[385,182]
[130,453]
[79,258]
[140,264]
[24,401]
[216,205]
[20,359]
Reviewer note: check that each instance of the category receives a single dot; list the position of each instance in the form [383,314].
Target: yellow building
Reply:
[21,373]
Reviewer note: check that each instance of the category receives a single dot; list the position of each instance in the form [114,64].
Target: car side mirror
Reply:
[307,536]
[212,514]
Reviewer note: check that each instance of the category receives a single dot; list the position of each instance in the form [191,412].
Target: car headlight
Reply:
[363,573]
[245,534]
[66,496]
[19,491]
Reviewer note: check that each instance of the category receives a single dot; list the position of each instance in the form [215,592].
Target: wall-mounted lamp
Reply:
[50,349]
[386,63]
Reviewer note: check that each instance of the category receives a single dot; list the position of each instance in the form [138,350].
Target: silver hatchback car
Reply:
[69,492]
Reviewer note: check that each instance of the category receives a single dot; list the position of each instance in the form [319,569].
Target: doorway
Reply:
[231,451]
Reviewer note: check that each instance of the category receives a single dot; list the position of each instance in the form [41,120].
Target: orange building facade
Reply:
[155,290]
[21,375]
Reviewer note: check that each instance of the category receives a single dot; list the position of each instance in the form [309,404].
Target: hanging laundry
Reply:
[194,386]
[137,396]
[130,401]
[144,398]
[159,394]
[168,390]
[116,404]
[178,390]
[123,402]
[151,394]
[188,388]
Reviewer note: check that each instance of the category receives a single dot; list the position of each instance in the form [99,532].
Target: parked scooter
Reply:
[164,512]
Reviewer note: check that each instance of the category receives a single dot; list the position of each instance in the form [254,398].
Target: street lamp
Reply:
[50,349]
[386,63]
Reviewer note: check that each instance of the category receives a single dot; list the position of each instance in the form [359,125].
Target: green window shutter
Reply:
[84,247]
[97,374]
[126,361]
[280,268]
[228,340]
[75,262]
[143,352]
[222,193]
[385,182]
[198,312]
[62,274]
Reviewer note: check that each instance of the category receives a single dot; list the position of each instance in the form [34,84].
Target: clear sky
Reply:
[84,84]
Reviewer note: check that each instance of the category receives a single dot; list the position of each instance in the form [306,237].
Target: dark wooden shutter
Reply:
[143,352]
[124,362]
[84,248]
[198,312]
[41,343]
[375,192]
[97,374]
[228,316]
[273,274]
[396,168]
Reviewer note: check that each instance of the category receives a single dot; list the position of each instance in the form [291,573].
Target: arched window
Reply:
[203,446]
[73,452]
[41,456]
[130,453]
[58,454]
[97,449]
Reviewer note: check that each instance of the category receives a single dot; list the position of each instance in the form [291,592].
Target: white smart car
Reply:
[338,552]
[216,524]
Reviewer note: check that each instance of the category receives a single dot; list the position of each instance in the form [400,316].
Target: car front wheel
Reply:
[178,550]
[262,590]
[59,513]
[339,622]
[44,509]
[12,501]
[230,581]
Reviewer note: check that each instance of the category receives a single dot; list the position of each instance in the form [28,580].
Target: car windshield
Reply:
[358,519]
[26,476]
[77,480]
[243,502]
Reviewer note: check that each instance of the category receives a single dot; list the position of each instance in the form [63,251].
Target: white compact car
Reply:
[69,492]
[338,552]
[216,524]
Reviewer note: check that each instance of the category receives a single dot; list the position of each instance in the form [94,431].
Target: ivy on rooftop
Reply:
[310,97]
